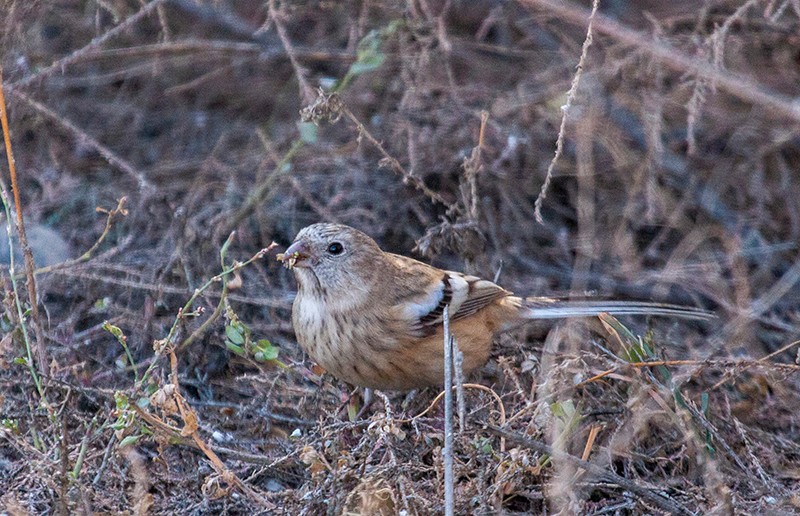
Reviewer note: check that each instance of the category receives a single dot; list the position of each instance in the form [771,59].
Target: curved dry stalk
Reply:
[111,214]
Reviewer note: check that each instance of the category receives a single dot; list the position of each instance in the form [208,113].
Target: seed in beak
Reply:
[295,253]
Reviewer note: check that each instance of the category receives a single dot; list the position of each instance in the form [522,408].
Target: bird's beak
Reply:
[296,255]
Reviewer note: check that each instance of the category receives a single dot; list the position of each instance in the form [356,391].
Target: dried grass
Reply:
[677,179]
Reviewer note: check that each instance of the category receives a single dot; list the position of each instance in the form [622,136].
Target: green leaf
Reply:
[483,445]
[10,424]
[678,396]
[567,417]
[130,440]
[235,333]
[352,409]
[265,351]
[367,63]
[239,350]
[631,345]
[563,409]
[114,330]
[5,324]
[369,53]
[223,252]
[121,400]
[308,132]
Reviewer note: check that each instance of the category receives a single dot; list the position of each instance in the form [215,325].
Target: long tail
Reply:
[549,308]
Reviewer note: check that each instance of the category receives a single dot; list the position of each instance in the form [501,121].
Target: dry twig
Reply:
[41,350]
[647,494]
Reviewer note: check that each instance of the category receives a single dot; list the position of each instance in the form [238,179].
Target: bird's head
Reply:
[332,256]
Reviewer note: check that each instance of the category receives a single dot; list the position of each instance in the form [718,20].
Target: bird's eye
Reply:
[335,248]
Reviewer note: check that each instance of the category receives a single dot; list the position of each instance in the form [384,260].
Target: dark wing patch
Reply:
[433,317]
[467,294]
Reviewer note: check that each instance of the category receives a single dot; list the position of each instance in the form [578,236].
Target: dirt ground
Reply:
[160,147]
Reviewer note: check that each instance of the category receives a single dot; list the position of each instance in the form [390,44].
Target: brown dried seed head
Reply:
[288,260]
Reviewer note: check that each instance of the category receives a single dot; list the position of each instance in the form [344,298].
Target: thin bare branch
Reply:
[673,58]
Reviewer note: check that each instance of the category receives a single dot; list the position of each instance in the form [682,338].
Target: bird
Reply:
[374,319]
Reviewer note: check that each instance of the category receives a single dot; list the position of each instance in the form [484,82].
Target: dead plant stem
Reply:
[41,351]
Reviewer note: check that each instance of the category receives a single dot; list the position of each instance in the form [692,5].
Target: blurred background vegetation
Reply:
[678,181]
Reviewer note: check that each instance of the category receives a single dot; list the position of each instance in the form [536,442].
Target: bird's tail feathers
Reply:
[549,308]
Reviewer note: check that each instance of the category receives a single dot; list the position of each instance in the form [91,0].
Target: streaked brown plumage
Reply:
[374,319]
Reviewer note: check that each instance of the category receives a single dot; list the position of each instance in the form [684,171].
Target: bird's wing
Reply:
[425,291]
[479,293]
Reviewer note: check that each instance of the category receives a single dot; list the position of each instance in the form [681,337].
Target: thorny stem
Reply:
[565,111]
[472,167]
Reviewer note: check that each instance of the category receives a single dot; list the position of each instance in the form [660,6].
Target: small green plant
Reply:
[637,349]
[116,331]
[369,54]
[239,340]
[567,418]
[239,336]
[11,425]
[483,445]
[124,424]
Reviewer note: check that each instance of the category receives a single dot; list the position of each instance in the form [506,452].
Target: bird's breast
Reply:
[308,318]
[351,344]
